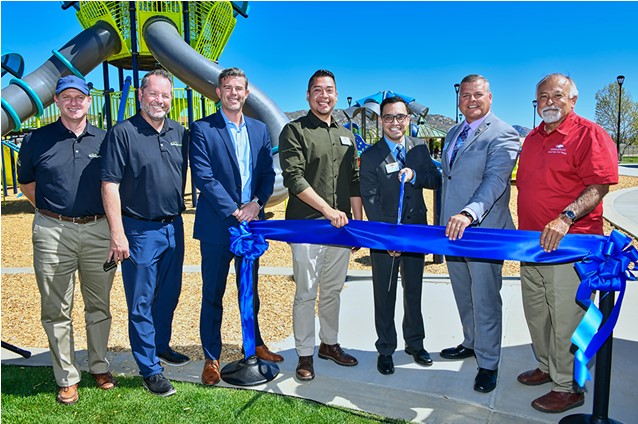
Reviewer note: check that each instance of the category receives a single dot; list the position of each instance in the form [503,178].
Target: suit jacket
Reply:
[380,189]
[215,171]
[480,177]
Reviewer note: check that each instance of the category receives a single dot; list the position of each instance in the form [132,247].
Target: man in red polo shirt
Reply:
[566,167]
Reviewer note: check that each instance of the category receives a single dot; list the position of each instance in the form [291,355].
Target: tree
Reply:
[607,115]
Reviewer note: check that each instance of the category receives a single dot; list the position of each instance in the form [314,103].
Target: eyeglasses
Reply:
[389,118]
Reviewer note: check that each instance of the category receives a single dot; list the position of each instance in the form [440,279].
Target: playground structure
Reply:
[186,38]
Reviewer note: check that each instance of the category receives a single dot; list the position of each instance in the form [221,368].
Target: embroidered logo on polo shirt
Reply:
[558,150]
[176,143]
[94,155]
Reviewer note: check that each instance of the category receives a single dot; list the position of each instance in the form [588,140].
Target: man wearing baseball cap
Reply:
[58,172]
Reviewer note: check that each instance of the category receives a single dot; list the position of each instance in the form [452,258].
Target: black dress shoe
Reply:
[421,357]
[385,364]
[459,352]
[170,357]
[485,380]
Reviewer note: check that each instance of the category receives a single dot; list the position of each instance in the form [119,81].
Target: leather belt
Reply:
[162,219]
[75,220]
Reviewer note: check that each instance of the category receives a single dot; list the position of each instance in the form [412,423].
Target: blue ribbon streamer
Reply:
[606,270]
[604,267]
[249,246]
[400,211]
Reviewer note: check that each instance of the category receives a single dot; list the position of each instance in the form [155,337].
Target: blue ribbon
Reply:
[484,243]
[400,211]
[604,267]
[249,246]
[606,270]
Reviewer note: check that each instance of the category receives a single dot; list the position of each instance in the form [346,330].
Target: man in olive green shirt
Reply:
[319,164]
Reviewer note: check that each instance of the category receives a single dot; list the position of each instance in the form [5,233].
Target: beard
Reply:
[551,115]
[155,116]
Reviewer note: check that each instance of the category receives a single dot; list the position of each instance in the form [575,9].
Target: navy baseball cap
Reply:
[71,81]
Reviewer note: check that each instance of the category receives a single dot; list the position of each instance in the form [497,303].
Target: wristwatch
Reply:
[259,202]
[570,215]
[469,215]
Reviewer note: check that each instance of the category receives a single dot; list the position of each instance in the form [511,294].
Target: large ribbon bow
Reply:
[249,246]
[606,269]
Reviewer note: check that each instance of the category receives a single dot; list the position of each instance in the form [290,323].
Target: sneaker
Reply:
[159,385]
[170,357]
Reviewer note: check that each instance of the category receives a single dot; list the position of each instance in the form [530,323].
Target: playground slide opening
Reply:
[173,53]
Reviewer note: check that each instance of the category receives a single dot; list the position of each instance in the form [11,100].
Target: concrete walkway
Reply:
[442,393]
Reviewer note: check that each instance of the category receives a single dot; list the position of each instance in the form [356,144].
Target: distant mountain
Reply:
[523,131]
[440,122]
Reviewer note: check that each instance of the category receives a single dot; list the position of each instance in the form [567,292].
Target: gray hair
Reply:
[474,78]
[573,90]
[162,73]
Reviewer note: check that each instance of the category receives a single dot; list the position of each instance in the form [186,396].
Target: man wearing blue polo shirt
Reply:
[58,171]
[143,177]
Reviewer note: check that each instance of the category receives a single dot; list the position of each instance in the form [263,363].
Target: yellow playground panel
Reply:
[210,24]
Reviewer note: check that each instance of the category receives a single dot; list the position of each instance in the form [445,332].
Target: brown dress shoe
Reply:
[337,354]
[305,369]
[266,354]
[68,395]
[104,381]
[533,377]
[557,402]
[210,375]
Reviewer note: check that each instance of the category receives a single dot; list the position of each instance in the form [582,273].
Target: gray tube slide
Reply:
[199,73]
[84,52]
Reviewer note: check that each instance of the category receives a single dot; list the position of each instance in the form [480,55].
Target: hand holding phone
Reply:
[109,265]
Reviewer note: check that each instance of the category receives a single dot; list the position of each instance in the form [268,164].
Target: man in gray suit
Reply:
[382,167]
[477,162]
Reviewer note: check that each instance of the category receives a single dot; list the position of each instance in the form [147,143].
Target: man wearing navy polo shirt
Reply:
[58,172]
[143,177]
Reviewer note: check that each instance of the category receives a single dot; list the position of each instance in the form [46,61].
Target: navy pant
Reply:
[215,265]
[152,284]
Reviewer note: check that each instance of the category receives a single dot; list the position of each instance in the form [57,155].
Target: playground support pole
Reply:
[120,77]
[14,175]
[134,53]
[189,91]
[107,95]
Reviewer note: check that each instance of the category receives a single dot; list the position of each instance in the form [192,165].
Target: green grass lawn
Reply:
[28,396]
[629,159]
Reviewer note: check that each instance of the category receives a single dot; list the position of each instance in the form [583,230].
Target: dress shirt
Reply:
[239,136]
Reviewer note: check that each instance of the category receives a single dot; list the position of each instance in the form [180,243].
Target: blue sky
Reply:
[415,48]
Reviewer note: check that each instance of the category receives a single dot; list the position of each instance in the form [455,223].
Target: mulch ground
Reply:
[21,300]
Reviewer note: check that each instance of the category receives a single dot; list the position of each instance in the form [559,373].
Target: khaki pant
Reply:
[59,249]
[324,268]
[552,315]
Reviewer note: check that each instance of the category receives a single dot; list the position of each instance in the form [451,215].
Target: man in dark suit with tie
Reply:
[393,157]
[477,162]
[231,164]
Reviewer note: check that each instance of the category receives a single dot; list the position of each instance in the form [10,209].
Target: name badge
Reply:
[345,141]
[392,167]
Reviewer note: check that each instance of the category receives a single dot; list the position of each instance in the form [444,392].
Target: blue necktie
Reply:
[459,142]
[400,156]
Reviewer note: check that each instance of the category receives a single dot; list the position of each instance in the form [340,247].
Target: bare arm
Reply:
[29,191]
[555,230]
[311,198]
[113,208]
[357,208]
